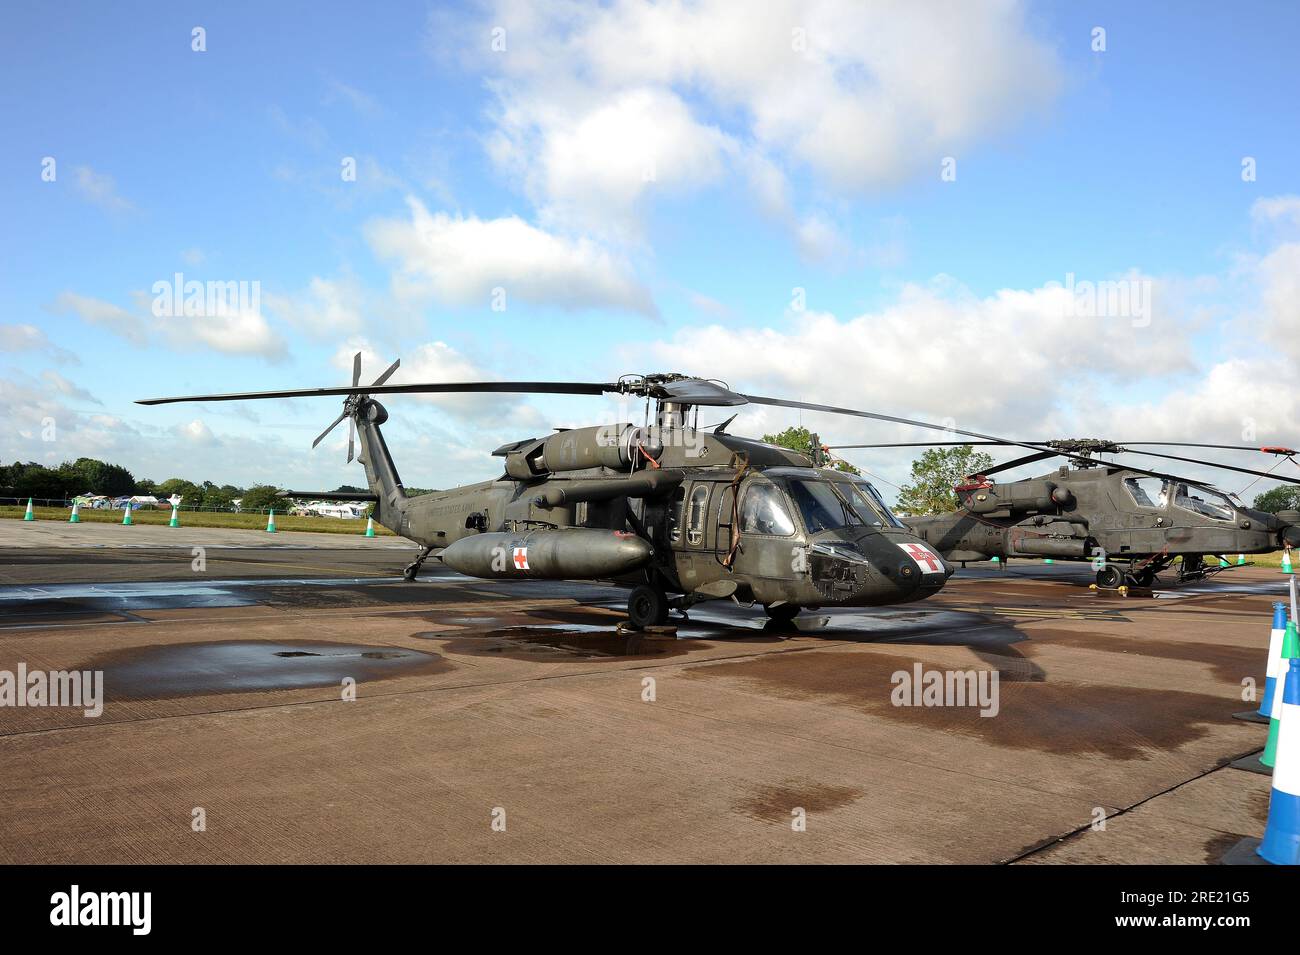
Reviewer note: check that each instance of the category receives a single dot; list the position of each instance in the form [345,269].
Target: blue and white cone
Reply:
[1275,661]
[1281,845]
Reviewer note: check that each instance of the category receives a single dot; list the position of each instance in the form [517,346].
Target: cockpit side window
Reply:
[763,511]
[1147,491]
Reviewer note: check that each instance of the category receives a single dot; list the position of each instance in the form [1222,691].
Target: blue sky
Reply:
[648,184]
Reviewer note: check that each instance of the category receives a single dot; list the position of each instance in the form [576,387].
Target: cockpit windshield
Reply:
[831,505]
[1155,492]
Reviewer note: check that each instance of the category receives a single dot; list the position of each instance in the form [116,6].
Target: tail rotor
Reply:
[353,403]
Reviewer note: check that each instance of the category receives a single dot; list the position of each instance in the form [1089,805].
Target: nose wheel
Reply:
[1109,577]
[647,607]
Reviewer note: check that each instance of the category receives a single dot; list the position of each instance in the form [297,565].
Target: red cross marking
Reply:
[928,559]
[521,558]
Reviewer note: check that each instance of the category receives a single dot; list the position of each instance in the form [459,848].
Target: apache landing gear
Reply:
[413,567]
[647,606]
[1109,577]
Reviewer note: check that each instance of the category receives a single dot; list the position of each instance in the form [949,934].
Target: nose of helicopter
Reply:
[878,566]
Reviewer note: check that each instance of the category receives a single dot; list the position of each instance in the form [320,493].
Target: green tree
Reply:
[260,497]
[802,440]
[97,477]
[933,475]
[1286,497]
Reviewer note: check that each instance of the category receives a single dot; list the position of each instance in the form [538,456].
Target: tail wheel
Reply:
[647,607]
[1109,577]
[782,613]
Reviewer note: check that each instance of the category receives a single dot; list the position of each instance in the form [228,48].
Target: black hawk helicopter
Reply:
[679,513]
[1130,522]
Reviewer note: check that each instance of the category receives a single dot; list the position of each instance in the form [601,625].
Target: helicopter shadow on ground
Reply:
[992,640]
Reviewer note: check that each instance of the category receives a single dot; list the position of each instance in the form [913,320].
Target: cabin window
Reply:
[675,515]
[762,511]
[695,519]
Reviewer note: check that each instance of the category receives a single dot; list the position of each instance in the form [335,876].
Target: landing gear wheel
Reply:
[782,613]
[647,607]
[1108,578]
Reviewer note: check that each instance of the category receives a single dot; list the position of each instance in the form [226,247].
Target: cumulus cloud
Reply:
[588,99]
[233,328]
[461,260]
[326,308]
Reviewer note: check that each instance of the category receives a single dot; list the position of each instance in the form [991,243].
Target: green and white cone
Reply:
[1290,651]
[126,516]
[1241,560]
[270,521]
[176,518]
[31,514]
[76,514]
[370,527]
[1286,561]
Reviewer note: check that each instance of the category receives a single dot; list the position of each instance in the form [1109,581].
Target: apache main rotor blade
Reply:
[356,369]
[429,388]
[917,444]
[1016,462]
[1225,447]
[333,424]
[1215,464]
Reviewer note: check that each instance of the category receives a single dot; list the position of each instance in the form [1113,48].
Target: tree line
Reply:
[90,476]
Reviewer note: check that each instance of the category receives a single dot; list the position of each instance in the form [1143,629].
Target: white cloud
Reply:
[326,308]
[1277,209]
[232,331]
[66,388]
[1278,275]
[461,260]
[859,96]
[100,189]
[19,338]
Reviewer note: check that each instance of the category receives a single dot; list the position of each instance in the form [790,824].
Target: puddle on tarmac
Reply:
[565,643]
[241,666]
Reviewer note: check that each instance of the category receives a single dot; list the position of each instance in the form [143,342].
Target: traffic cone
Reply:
[176,518]
[1273,667]
[270,521]
[370,527]
[126,516]
[1281,845]
[1048,560]
[1286,561]
[1290,650]
[1223,562]
[31,514]
[1241,560]
[1281,842]
[76,514]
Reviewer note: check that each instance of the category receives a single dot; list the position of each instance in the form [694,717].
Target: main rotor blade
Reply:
[386,375]
[356,369]
[352,431]
[1016,462]
[699,391]
[917,444]
[431,388]
[1215,464]
[333,424]
[832,409]
[1225,447]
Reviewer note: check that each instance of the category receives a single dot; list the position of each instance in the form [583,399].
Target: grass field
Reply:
[283,522]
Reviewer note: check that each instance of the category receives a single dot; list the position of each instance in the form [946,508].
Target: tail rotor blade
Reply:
[356,369]
[352,430]
[332,426]
[388,374]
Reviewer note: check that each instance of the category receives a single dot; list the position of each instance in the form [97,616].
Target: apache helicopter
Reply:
[679,513]
[1131,523]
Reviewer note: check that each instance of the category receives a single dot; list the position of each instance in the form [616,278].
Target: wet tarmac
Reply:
[691,743]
